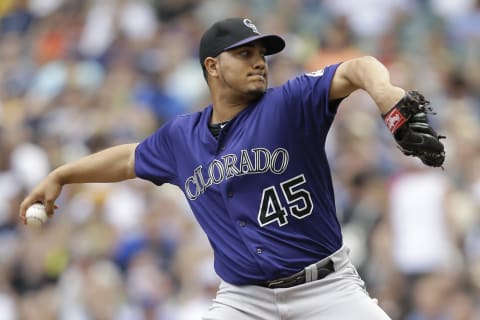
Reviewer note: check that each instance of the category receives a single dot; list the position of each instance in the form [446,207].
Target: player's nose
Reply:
[259,61]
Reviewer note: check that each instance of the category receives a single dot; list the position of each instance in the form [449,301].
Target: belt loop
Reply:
[311,273]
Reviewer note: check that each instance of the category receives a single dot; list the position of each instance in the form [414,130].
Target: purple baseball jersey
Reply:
[262,191]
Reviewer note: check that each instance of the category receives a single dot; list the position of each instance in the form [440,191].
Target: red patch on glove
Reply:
[394,120]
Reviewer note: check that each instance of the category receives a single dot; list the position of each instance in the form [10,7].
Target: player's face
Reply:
[244,71]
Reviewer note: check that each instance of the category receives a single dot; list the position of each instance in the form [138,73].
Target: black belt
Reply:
[319,271]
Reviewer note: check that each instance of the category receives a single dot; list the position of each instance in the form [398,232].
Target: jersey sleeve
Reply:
[308,101]
[154,157]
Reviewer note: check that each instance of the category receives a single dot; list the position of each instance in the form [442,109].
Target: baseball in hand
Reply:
[36,215]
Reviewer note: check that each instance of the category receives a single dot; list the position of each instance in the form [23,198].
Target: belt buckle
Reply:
[321,271]
[273,283]
[287,282]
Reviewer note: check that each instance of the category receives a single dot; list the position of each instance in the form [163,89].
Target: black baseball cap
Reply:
[235,32]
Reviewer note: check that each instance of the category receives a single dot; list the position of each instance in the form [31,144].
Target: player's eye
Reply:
[244,53]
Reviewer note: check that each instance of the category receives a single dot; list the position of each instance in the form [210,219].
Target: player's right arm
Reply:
[110,165]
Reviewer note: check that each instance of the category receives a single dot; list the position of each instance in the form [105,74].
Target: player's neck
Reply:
[225,110]
[225,113]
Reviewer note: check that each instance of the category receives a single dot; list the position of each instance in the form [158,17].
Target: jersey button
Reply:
[242,223]
[229,194]
[259,251]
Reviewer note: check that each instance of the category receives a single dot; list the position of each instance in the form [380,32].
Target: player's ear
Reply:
[211,66]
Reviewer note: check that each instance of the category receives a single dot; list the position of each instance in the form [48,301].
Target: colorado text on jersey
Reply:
[258,160]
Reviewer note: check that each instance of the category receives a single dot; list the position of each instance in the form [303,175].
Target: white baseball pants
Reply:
[339,296]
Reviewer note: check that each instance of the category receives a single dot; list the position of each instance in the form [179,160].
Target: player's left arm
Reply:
[404,113]
[369,74]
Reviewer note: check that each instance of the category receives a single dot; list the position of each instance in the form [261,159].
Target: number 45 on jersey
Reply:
[299,201]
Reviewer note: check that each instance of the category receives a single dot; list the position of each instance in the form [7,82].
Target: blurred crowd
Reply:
[77,76]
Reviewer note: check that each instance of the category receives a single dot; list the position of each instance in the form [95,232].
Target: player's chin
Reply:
[256,93]
[257,88]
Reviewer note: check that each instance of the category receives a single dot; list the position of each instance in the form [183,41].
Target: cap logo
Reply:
[250,24]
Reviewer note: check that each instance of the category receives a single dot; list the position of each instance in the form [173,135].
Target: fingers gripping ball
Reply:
[409,124]
[36,215]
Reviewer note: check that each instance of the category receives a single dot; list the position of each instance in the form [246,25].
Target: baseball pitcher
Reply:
[254,169]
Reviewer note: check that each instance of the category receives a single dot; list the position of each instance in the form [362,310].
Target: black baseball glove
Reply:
[408,122]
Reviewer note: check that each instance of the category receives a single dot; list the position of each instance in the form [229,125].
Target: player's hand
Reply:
[408,122]
[46,192]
